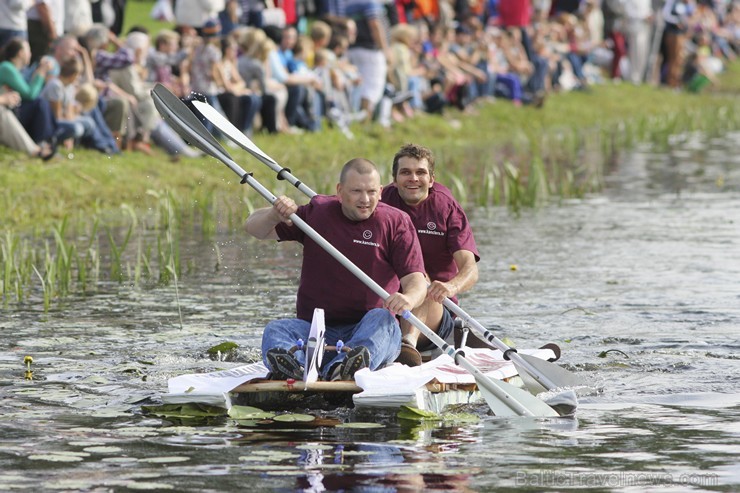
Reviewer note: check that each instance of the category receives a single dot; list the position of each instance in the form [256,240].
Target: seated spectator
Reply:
[300,85]
[205,68]
[148,124]
[239,102]
[165,59]
[14,135]
[74,125]
[112,110]
[404,70]
[33,112]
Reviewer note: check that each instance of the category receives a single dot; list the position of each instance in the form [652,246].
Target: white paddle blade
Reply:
[504,399]
[225,126]
[560,377]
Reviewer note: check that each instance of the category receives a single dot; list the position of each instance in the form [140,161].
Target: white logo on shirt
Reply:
[367,234]
[431,226]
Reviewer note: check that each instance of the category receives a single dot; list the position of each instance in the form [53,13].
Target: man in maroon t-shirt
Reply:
[378,239]
[447,243]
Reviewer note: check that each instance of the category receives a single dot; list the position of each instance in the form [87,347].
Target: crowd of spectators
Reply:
[68,76]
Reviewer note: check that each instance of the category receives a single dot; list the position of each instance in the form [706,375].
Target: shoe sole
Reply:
[284,367]
[355,360]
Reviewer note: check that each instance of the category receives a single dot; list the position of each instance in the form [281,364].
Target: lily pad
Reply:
[56,457]
[415,414]
[294,418]
[248,412]
[190,410]
[165,460]
[223,347]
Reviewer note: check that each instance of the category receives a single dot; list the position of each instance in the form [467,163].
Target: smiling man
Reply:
[446,239]
[378,239]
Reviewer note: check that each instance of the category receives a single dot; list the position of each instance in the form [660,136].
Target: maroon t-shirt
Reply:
[383,246]
[442,226]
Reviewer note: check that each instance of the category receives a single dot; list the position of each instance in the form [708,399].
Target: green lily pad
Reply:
[415,414]
[223,347]
[189,410]
[294,418]
[248,412]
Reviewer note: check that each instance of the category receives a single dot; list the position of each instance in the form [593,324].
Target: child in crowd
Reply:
[166,56]
[73,123]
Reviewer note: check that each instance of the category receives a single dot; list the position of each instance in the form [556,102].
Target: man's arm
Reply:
[465,279]
[261,223]
[414,291]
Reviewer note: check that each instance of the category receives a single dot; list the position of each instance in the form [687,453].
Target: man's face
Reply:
[359,194]
[66,48]
[413,180]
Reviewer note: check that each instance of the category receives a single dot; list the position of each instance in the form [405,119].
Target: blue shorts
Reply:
[446,326]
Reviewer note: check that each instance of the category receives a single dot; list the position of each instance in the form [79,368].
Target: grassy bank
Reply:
[484,156]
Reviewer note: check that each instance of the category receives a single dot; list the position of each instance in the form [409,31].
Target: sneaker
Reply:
[356,359]
[284,365]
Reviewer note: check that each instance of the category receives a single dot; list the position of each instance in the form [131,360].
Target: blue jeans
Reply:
[8,34]
[378,331]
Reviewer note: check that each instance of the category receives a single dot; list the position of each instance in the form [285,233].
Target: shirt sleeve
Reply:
[11,77]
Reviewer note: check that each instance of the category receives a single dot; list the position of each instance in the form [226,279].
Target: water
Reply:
[646,274]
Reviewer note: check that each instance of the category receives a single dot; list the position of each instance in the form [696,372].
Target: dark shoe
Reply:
[284,366]
[356,359]
[409,356]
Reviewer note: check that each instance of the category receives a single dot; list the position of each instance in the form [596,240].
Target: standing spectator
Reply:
[109,13]
[676,15]
[45,24]
[517,13]
[78,17]
[13,20]
[196,13]
[251,12]
[639,26]
[369,51]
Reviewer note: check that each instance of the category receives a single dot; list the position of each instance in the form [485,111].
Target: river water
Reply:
[639,285]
